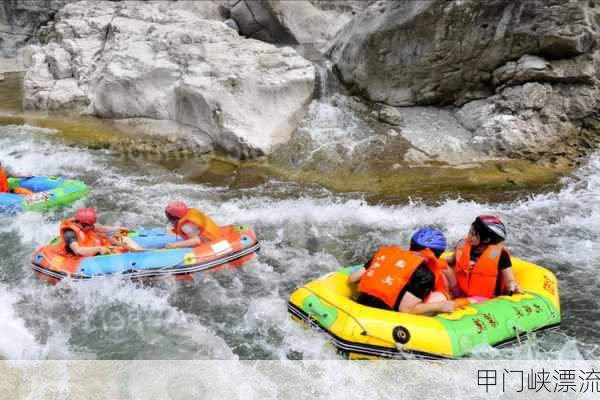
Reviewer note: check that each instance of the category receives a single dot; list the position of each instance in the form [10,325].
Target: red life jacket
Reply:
[481,279]
[4,185]
[392,268]
[208,228]
[85,238]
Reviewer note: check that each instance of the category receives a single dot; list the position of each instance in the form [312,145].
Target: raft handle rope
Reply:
[364,330]
[516,329]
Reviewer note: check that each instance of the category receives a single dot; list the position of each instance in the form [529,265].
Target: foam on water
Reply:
[16,342]
[241,313]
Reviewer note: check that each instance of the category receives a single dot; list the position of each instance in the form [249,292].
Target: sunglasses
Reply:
[86,226]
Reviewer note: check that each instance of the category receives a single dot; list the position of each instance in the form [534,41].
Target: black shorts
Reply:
[372,301]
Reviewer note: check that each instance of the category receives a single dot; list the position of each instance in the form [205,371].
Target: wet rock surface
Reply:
[522,75]
[151,61]
[472,88]
[19,21]
[292,21]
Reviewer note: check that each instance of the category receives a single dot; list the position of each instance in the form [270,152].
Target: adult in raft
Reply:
[190,224]
[409,281]
[481,265]
[4,185]
[81,236]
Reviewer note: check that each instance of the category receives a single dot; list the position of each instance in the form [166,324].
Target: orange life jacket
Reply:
[208,228]
[481,279]
[85,238]
[437,265]
[4,186]
[392,268]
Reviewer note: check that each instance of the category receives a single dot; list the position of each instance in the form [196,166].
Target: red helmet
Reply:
[86,216]
[176,209]
[489,226]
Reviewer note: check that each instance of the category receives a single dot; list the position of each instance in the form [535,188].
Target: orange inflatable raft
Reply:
[237,245]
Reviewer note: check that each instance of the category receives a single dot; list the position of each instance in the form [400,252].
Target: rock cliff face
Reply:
[506,79]
[525,73]
[19,20]
[166,68]
[292,21]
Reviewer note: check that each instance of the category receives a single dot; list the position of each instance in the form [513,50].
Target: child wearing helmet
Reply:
[481,266]
[190,224]
[409,281]
[81,236]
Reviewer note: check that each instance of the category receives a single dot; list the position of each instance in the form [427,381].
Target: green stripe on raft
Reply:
[498,320]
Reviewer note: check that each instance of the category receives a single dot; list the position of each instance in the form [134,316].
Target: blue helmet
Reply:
[430,238]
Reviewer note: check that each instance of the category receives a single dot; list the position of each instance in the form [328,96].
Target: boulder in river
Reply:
[524,74]
[155,61]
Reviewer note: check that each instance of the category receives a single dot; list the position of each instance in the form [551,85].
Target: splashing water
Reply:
[305,233]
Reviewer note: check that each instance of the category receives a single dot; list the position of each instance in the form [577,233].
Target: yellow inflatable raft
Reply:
[363,332]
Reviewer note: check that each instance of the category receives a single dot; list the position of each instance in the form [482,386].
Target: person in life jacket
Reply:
[4,173]
[190,224]
[82,237]
[409,281]
[481,266]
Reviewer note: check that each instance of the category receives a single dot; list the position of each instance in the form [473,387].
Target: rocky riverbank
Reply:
[380,179]
[521,76]
[496,98]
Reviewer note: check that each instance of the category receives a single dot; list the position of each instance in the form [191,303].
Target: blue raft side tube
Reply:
[41,183]
[119,263]
[10,203]
[155,238]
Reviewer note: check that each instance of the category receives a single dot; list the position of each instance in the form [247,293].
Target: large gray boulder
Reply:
[531,120]
[162,66]
[444,52]
[539,105]
[524,74]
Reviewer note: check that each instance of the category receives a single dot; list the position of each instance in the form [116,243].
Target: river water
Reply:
[305,232]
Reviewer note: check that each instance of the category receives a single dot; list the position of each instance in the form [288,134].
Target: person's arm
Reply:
[452,281]
[411,304]
[450,275]
[191,242]
[510,282]
[88,251]
[451,260]
[192,232]
[419,286]
[507,276]
[356,275]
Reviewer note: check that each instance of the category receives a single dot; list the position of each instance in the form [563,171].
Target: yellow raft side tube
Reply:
[363,331]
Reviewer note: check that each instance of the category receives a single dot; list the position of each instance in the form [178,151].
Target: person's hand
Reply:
[103,250]
[514,288]
[122,229]
[447,306]
[170,246]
